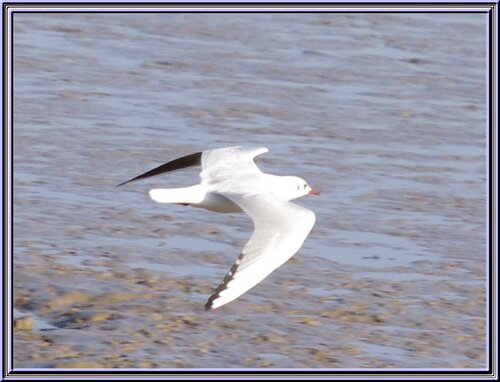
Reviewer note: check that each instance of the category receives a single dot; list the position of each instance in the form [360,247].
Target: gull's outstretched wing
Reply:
[220,165]
[280,230]
[217,164]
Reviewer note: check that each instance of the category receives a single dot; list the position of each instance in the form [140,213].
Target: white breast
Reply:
[218,203]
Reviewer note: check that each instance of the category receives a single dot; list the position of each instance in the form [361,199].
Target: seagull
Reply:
[232,182]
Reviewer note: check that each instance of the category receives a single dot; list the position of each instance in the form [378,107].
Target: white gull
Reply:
[231,182]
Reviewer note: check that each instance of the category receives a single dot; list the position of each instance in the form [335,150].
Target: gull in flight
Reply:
[232,182]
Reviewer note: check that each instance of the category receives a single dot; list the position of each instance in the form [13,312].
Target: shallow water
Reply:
[383,113]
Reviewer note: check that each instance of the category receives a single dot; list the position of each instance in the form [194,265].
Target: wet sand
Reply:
[373,110]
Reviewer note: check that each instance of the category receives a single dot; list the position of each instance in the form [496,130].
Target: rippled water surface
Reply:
[383,113]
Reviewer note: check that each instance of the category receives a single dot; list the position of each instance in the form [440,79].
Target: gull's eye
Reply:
[305,185]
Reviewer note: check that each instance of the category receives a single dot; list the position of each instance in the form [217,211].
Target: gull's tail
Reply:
[186,195]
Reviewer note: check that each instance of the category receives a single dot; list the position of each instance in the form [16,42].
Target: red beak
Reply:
[313,191]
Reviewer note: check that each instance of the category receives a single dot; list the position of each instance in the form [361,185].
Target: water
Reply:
[373,110]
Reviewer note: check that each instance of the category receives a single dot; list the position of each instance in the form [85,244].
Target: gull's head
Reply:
[295,187]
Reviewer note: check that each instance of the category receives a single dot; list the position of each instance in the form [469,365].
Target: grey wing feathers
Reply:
[280,230]
[221,164]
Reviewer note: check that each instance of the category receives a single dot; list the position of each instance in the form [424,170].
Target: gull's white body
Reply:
[197,196]
[231,182]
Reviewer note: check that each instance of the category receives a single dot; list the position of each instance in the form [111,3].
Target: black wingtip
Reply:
[122,183]
[174,165]
[210,303]
[222,287]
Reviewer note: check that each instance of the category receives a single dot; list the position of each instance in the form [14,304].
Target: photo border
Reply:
[10,8]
